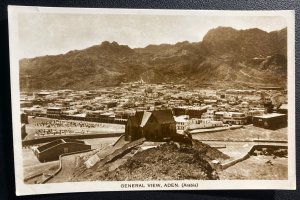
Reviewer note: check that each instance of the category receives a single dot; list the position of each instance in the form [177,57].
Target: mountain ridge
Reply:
[224,56]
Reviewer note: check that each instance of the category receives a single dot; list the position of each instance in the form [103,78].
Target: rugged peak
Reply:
[113,44]
[221,30]
[107,43]
[254,30]
[220,34]
[224,54]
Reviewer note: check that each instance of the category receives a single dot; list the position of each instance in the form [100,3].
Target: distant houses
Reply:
[54,112]
[234,118]
[156,125]
[135,102]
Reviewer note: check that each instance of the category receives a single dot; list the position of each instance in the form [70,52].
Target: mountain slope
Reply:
[225,56]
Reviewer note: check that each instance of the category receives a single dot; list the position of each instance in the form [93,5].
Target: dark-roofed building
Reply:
[192,112]
[52,150]
[155,125]
[270,121]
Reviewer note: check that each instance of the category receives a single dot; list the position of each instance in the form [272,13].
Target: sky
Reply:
[51,34]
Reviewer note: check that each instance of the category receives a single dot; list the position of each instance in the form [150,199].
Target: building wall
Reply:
[237,121]
[179,111]
[23,131]
[152,129]
[24,118]
[132,131]
[181,126]
[53,113]
[270,123]
[56,151]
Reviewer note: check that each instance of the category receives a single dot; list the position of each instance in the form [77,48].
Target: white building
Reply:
[182,123]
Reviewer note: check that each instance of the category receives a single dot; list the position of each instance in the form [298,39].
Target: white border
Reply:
[27,189]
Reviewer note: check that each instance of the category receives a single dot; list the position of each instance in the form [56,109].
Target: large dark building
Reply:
[52,150]
[191,112]
[156,125]
[270,121]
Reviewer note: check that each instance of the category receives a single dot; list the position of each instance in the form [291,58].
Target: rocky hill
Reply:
[168,161]
[225,56]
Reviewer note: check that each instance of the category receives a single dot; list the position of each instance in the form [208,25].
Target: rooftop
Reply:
[270,115]
[54,108]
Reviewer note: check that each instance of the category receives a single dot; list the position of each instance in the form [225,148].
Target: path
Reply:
[70,162]
[245,74]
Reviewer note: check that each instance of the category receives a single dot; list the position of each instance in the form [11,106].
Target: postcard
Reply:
[137,99]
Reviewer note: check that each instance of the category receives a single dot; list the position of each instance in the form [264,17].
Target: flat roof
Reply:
[43,93]
[193,107]
[79,115]
[55,108]
[270,115]
[181,118]
[219,113]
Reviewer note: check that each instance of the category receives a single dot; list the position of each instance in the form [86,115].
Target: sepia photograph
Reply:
[127,99]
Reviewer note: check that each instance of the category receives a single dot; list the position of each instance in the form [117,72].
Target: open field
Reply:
[248,133]
[233,149]
[257,168]
[99,128]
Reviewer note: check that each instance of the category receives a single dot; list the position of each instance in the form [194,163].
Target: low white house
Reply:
[182,123]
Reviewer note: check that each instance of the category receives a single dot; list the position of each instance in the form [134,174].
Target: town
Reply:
[137,112]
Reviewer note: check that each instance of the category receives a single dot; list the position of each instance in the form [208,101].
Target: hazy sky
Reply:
[51,34]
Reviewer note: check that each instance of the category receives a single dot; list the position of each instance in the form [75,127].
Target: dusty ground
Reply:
[233,149]
[101,142]
[249,133]
[169,161]
[257,168]
[33,166]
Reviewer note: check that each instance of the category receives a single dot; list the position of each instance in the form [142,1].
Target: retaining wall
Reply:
[49,139]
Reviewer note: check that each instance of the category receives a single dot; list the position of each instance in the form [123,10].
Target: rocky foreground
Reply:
[167,161]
